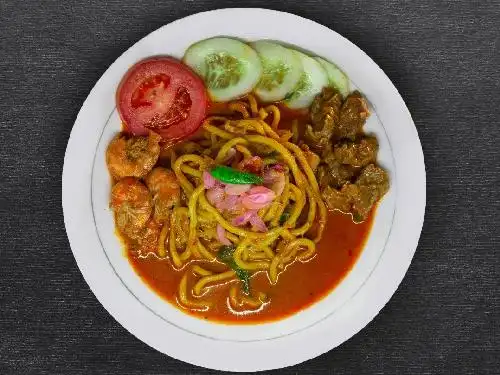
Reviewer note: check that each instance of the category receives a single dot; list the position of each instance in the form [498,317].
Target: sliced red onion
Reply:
[258,197]
[208,180]
[257,223]
[243,219]
[275,180]
[279,167]
[230,155]
[236,189]
[221,235]
[227,203]
[270,176]
[215,195]
[279,185]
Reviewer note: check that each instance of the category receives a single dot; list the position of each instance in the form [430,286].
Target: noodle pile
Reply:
[246,130]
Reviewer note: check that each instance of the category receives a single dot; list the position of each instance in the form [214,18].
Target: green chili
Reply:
[230,175]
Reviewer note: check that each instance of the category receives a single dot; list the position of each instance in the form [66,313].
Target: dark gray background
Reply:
[443,56]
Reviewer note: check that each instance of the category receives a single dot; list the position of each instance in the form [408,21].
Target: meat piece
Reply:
[360,197]
[353,115]
[335,174]
[325,112]
[325,108]
[358,153]
[332,172]
[340,199]
[373,183]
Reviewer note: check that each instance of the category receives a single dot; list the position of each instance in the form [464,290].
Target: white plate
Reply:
[323,326]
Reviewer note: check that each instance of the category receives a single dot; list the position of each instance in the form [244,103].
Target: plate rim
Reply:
[73,212]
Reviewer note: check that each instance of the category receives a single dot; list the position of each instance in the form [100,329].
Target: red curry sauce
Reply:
[301,285]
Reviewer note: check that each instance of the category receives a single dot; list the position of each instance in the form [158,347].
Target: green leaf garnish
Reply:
[225,255]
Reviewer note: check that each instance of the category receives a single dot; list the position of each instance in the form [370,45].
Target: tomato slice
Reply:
[163,95]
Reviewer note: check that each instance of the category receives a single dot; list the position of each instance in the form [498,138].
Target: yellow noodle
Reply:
[299,154]
[263,114]
[295,131]
[245,151]
[174,255]
[233,238]
[285,135]
[183,181]
[201,271]
[246,125]
[218,132]
[287,235]
[204,252]
[321,220]
[286,155]
[222,155]
[285,196]
[239,107]
[276,115]
[271,213]
[310,216]
[273,269]
[212,279]
[257,256]
[233,296]
[297,207]
[254,266]
[173,158]
[193,217]
[161,241]
[184,300]
[312,180]
[267,130]
[262,249]
[192,171]
[253,105]
[295,245]
[239,301]
[254,302]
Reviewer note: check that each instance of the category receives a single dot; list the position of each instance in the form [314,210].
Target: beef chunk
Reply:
[335,174]
[325,113]
[373,183]
[342,199]
[353,115]
[358,198]
[359,153]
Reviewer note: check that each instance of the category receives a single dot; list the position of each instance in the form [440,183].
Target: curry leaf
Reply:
[225,255]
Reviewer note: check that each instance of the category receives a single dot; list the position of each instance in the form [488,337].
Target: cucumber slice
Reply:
[230,68]
[336,77]
[310,84]
[281,71]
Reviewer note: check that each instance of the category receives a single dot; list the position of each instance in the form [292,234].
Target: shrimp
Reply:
[132,204]
[131,156]
[163,184]
[147,239]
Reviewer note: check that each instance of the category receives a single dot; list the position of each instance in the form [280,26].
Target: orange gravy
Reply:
[301,285]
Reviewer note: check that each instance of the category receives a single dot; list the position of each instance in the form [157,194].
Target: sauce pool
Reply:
[301,285]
